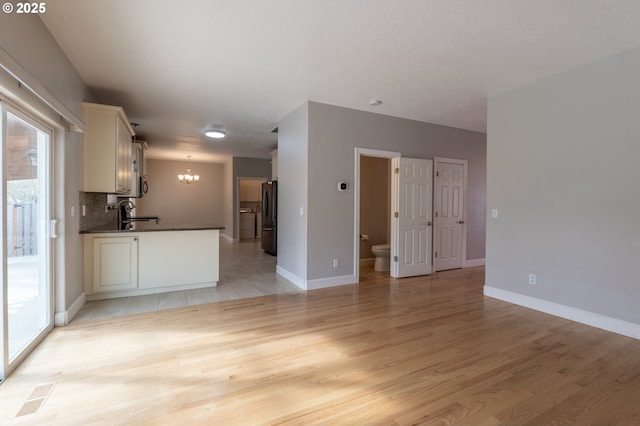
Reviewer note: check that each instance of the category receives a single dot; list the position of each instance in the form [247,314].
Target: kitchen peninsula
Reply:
[122,255]
[149,259]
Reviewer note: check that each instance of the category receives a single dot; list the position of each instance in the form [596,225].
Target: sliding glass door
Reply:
[26,250]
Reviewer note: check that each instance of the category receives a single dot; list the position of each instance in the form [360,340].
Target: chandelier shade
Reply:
[188,178]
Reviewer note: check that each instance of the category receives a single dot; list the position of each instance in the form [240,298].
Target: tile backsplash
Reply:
[96,217]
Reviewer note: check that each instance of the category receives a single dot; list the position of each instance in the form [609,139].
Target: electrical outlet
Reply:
[336,263]
[532,279]
[494,213]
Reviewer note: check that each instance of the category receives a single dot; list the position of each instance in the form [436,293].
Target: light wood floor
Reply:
[428,350]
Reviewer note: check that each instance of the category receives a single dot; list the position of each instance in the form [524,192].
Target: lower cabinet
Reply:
[182,258]
[114,263]
[129,264]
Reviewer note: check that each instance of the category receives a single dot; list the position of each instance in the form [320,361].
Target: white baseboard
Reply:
[473,263]
[585,317]
[315,284]
[367,262]
[291,277]
[330,282]
[228,238]
[63,318]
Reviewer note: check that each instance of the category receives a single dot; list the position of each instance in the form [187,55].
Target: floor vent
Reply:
[36,400]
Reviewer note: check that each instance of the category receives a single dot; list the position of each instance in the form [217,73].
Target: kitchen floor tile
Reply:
[111,307]
[266,287]
[199,296]
[139,304]
[174,299]
[224,292]
[87,311]
[246,289]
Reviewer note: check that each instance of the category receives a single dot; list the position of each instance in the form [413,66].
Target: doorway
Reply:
[249,207]
[375,209]
[410,213]
[385,157]
[27,302]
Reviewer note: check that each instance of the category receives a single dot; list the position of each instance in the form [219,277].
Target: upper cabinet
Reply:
[254,191]
[138,169]
[250,190]
[107,149]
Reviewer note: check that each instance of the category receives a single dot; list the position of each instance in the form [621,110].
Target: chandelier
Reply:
[188,178]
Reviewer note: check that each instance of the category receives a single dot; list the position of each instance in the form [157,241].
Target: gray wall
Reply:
[73,278]
[293,159]
[179,204]
[375,203]
[334,133]
[563,173]
[212,201]
[227,199]
[25,39]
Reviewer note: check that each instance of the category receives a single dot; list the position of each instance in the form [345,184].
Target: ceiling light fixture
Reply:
[188,178]
[375,102]
[215,133]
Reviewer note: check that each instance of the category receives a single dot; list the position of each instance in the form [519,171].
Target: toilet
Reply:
[382,252]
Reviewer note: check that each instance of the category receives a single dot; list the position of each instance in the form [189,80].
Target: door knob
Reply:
[429,223]
[460,222]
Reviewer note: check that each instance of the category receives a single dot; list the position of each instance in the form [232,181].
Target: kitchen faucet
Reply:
[125,221]
[124,213]
[129,202]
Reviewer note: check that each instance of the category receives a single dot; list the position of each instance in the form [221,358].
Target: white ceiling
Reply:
[177,66]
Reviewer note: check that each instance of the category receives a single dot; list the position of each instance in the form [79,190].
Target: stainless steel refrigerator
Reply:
[270,217]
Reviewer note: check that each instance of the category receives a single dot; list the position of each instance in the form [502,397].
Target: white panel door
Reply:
[449,214]
[411,253]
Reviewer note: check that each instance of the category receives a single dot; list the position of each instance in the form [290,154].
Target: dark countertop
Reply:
[151,227]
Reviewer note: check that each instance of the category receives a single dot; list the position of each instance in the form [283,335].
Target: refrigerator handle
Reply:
[274,206]
[265,204]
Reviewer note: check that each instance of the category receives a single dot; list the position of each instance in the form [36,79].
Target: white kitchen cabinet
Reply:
[250,190]
[137,263]
[247,225]
[107,149]
[111,263]
[138,169]
[254,191]
[173,258]
[143,157]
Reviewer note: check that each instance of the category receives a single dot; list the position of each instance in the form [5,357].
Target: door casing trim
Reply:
[365,152]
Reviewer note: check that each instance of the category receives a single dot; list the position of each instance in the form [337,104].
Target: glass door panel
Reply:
[27,278]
